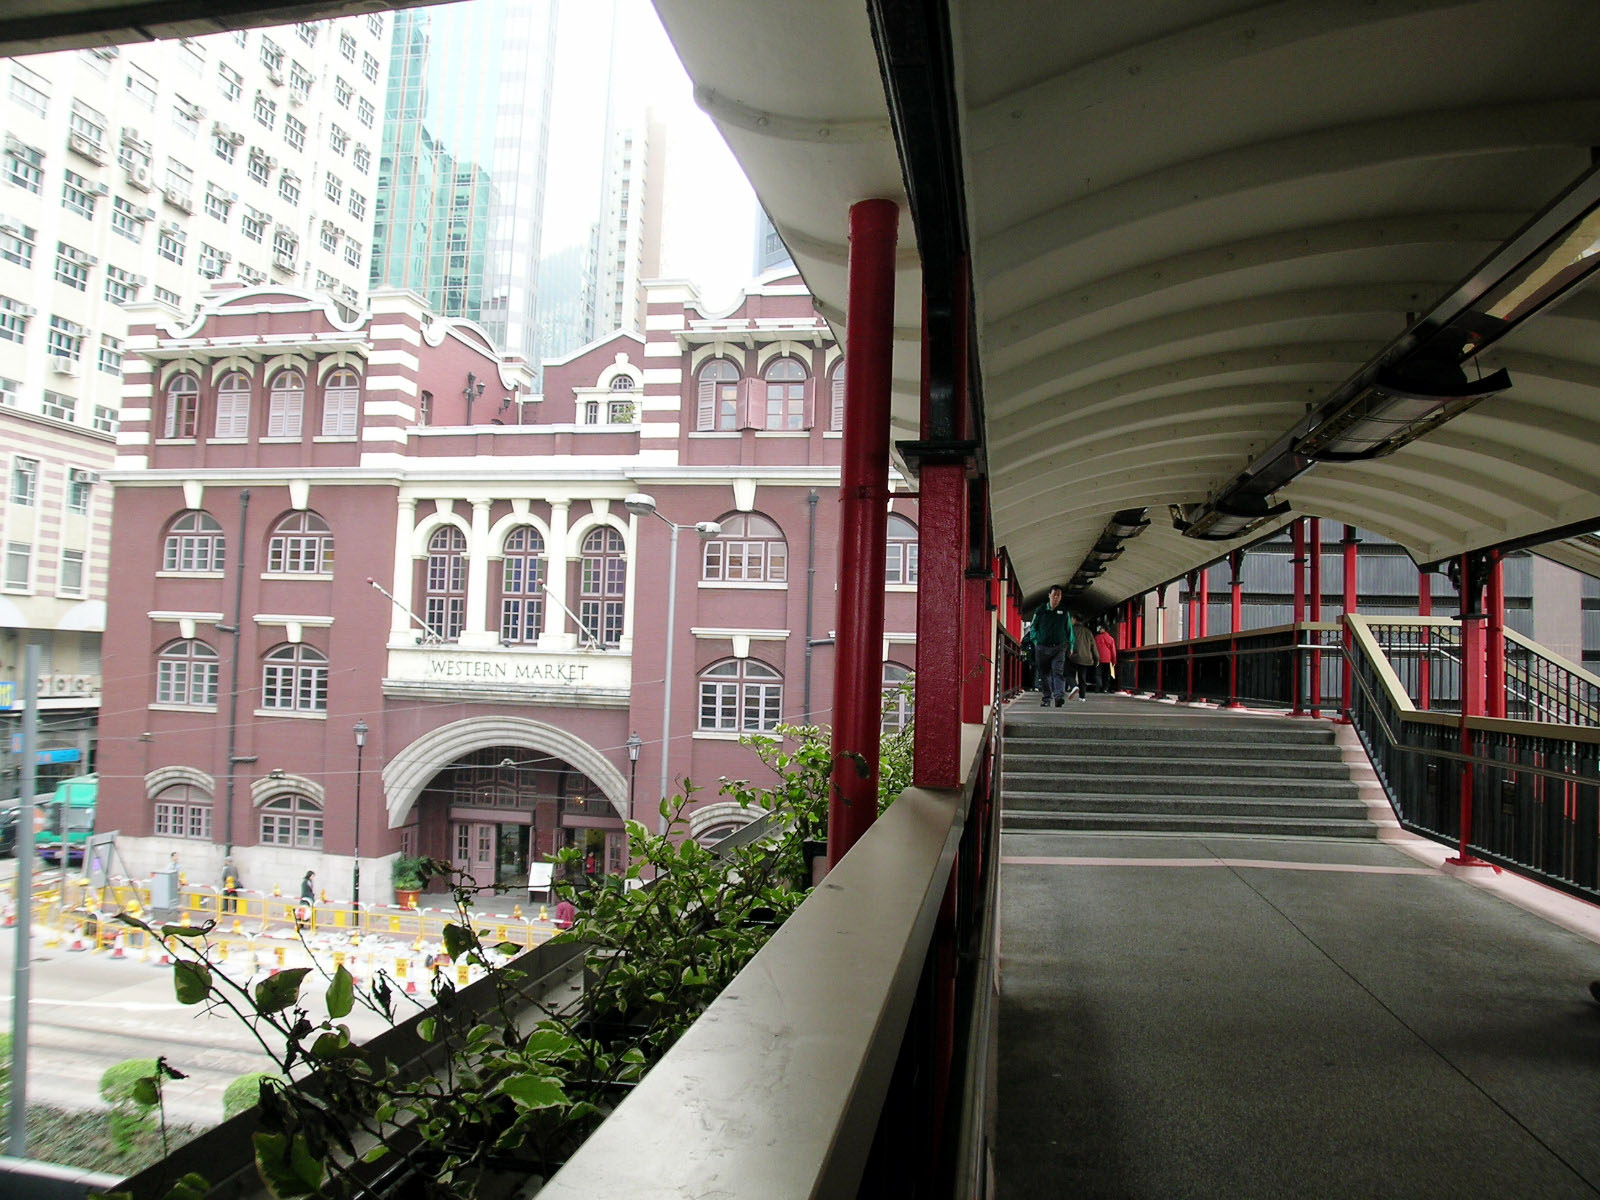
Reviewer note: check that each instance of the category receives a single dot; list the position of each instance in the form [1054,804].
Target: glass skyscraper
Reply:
[461,183]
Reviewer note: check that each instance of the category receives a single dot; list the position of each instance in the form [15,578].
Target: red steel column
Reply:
[1351,575]
[864,516]
[1297,565]
[1203,615]
[1315,549]
[1472,672]
[1495,669]
[1161,637]
[1189,635]
[940,624]
[1425,666]
[1235,619]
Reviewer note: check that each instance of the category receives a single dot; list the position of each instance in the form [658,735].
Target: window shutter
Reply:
[707,415]
[275,415]
[836,418]
[810,418]
[753,403]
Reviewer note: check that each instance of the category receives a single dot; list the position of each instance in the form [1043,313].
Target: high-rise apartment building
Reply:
[771,253]
[148,173]
[460,204]
[630,250]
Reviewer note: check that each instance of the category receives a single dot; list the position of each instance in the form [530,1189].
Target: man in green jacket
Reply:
[1052,643]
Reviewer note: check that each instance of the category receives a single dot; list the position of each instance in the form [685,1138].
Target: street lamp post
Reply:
[639,504]
[635,744]
[361,745]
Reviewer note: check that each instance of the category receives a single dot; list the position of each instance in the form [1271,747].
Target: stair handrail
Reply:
[1588,710]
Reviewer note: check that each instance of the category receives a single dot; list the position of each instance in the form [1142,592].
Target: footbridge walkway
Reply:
[1205,1010]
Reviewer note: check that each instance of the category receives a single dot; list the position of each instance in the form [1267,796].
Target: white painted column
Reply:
[630,581]
[559,633]
[402,628]
[475,633]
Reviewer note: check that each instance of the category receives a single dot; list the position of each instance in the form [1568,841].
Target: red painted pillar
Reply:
[1235,620]
[1315,550]
[1161,636]
[1425,666]
[1297,565]
[1351,577]
[1203,612]
[1189,631]
[1495,666]
[1472,696]
[864,515]
[978,652]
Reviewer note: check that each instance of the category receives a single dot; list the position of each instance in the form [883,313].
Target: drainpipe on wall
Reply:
[237,632]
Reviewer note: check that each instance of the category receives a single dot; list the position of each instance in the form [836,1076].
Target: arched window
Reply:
[836,392]
[286,404]
[740,695]
[290,819]
[183,406]
[622,411]
[302,544]
[900,560]
[341,403]
[897,698]
[233,405]
[194,543]
[294,678]
[183,811]
[444,605]
[522,586]
[750,549]
[785,381]
[186,674]
[718,396]
[603,586]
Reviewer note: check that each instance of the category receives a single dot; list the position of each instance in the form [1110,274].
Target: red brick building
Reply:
[404,536]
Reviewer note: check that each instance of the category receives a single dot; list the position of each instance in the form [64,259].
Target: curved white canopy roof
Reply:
[1189,220]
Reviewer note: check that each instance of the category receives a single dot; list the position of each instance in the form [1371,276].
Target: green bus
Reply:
[69,819]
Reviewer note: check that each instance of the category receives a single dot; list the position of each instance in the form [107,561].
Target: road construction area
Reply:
[102,992]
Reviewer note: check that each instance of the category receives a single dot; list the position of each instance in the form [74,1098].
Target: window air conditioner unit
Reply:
[10,225]
[60,685]
[139,177]
[130,134]
[98,189]
[62,365]
[86,146]
[14,144]
[79,475]
[276,75]
[179,200]
[80,685]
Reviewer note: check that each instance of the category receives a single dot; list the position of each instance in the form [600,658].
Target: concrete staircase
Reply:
[1119,765]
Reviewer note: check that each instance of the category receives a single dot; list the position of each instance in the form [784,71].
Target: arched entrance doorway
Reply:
[494,810]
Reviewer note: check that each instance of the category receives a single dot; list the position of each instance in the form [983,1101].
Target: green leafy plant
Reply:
[133,1089]
[243,1093]
[409,873]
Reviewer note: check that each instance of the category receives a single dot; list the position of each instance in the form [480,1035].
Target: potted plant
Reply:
[409,879]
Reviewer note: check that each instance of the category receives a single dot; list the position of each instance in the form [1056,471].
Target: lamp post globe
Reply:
[360,730]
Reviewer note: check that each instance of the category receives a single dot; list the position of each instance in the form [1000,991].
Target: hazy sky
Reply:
[709,216]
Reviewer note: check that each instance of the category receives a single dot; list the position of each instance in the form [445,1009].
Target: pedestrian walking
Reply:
[230,885]
[308,897]
[1052,643]
[1106,652]
[1083,661]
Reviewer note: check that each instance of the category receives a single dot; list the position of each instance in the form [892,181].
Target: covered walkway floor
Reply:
[1255,1017]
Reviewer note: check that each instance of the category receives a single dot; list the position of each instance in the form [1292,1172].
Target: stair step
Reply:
[1074,748]
[1232,806]
[1276,766]
[1147,823]
[1190,785]
[1222,735]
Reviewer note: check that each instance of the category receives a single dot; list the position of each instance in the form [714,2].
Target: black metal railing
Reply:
[1279,667]
[1529,791]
